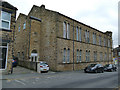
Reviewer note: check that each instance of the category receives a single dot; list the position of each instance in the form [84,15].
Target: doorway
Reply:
[3,55]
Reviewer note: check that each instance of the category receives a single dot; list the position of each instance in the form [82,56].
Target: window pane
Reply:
[77,33]
[68,30]
[6,16]
[5,24]
[24,25]
[77,54]
[68,56]
[64,55]
[80,34]
[64,30]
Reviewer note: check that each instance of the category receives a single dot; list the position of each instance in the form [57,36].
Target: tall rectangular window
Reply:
[77,33]
[5,20]
[93,38]
[80,39]
[77,55]
[108,42]
[68,55]
[86,36]
[64,30]
[18,54]
[105,57]
[19,29]
[88,55]
[64,55]
[24,25]
[88,39]
[104,41]
[80,57]
[100,41]
[95,56]
[68,31]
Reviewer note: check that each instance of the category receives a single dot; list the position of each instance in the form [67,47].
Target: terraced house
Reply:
[64,43]
[7,26]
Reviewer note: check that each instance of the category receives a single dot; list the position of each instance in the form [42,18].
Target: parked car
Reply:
[94,68]
[15,61]
[110,67]
[44,67]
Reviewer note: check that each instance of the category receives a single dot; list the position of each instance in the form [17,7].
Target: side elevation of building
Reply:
[64,43]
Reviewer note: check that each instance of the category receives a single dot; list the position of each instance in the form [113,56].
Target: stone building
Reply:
[116,54]
[64,43]
[7,26]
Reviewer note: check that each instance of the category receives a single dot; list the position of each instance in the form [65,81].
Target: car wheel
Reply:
[112,70]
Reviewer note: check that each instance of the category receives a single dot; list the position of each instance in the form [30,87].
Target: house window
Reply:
[80,57]
[64,55]
[86,36]
[95,56]
[68,55]
[19,29]
[80,35]
[104,41]
[88,55]
[94,38]
[66,30]
[108,42]
[24,25]
[5,19]
[105,57]
[100,41]
[77,33]
[22,55]
[77,55]
[18,55]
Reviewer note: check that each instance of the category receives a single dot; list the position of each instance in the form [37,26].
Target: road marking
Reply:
[20,82]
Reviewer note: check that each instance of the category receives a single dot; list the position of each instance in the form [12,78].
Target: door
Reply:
[3,56]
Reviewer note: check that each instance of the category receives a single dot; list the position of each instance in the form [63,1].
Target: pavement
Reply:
[20,72]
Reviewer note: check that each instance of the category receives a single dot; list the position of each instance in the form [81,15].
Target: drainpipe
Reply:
[29,41]
[73,45]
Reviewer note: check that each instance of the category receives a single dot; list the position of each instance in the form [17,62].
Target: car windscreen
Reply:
[106,65]
[91,65]
[43,64]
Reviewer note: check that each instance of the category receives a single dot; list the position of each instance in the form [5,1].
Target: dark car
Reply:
[15,61]
[96,68]
[110,67]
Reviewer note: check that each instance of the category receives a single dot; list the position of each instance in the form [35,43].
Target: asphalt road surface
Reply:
[73,79]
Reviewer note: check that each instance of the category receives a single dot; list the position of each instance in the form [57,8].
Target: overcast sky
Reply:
[100,14]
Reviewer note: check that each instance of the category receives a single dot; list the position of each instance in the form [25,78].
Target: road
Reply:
[73,79]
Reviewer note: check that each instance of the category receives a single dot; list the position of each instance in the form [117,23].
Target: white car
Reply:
[44,66]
